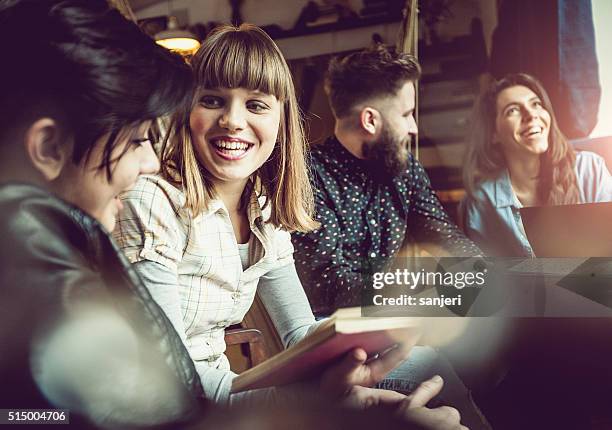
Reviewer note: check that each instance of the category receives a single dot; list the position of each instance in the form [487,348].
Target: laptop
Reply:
[583,230]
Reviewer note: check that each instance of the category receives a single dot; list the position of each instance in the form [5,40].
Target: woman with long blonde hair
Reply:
[213,228]
[518,157]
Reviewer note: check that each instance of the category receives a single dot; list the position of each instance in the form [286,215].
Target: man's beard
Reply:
[387,156]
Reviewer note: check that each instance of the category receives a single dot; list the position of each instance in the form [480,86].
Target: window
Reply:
[602,17]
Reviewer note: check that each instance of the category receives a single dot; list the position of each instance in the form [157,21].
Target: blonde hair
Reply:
[484,159]
[246,57]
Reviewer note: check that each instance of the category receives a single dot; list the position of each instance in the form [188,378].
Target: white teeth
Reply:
[222,144]
[533,130]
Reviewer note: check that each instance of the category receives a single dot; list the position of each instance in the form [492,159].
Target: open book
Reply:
[345,330]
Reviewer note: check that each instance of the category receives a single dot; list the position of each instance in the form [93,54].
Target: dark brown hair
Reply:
[366,75]
[484,159]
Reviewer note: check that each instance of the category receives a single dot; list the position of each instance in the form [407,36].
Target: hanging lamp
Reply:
[175,39]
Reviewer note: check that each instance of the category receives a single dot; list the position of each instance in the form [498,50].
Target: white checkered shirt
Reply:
[214,290]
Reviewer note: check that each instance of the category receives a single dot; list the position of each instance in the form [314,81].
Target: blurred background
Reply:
[461,45]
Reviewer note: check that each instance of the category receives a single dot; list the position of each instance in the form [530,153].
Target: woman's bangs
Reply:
[243,64]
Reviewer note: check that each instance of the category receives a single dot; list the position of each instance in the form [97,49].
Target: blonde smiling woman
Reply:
[213,229]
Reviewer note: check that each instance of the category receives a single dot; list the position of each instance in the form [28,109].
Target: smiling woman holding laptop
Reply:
[518,158]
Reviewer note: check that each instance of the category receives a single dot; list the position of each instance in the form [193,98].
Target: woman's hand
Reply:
[351,379]
[355,369]
[412,408]
[363,398]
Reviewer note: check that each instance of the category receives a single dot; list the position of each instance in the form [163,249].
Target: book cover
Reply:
[343,331]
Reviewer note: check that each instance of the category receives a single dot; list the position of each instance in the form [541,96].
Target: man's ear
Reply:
[370,120]
[46,148]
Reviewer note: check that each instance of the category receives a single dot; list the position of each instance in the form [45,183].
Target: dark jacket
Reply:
[52,254]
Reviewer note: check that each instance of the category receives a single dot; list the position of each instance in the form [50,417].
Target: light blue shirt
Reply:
[491,216]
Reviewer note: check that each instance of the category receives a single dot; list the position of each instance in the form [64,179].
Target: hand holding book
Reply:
[346,356]
[343,332]
[356,369]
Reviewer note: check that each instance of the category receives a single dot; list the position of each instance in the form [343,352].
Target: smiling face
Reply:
[86,185]
[234,131]
[522,124]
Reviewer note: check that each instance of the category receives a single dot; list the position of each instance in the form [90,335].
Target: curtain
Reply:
[553,40]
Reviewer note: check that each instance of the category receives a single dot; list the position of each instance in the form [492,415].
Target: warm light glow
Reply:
[602,16]
[180,44]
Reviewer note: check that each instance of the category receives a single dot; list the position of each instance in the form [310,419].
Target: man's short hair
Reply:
[365,75]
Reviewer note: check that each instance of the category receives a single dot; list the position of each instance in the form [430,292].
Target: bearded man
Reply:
[372,197]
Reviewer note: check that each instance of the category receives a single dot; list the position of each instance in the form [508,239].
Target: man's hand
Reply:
[354,369]
[412,408]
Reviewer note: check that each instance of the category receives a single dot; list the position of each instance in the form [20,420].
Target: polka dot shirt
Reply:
[364,219]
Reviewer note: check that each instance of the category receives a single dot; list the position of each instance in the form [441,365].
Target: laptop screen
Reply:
[582,230]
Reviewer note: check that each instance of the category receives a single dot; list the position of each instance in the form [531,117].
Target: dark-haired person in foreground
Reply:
[80,86]
[372,196]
